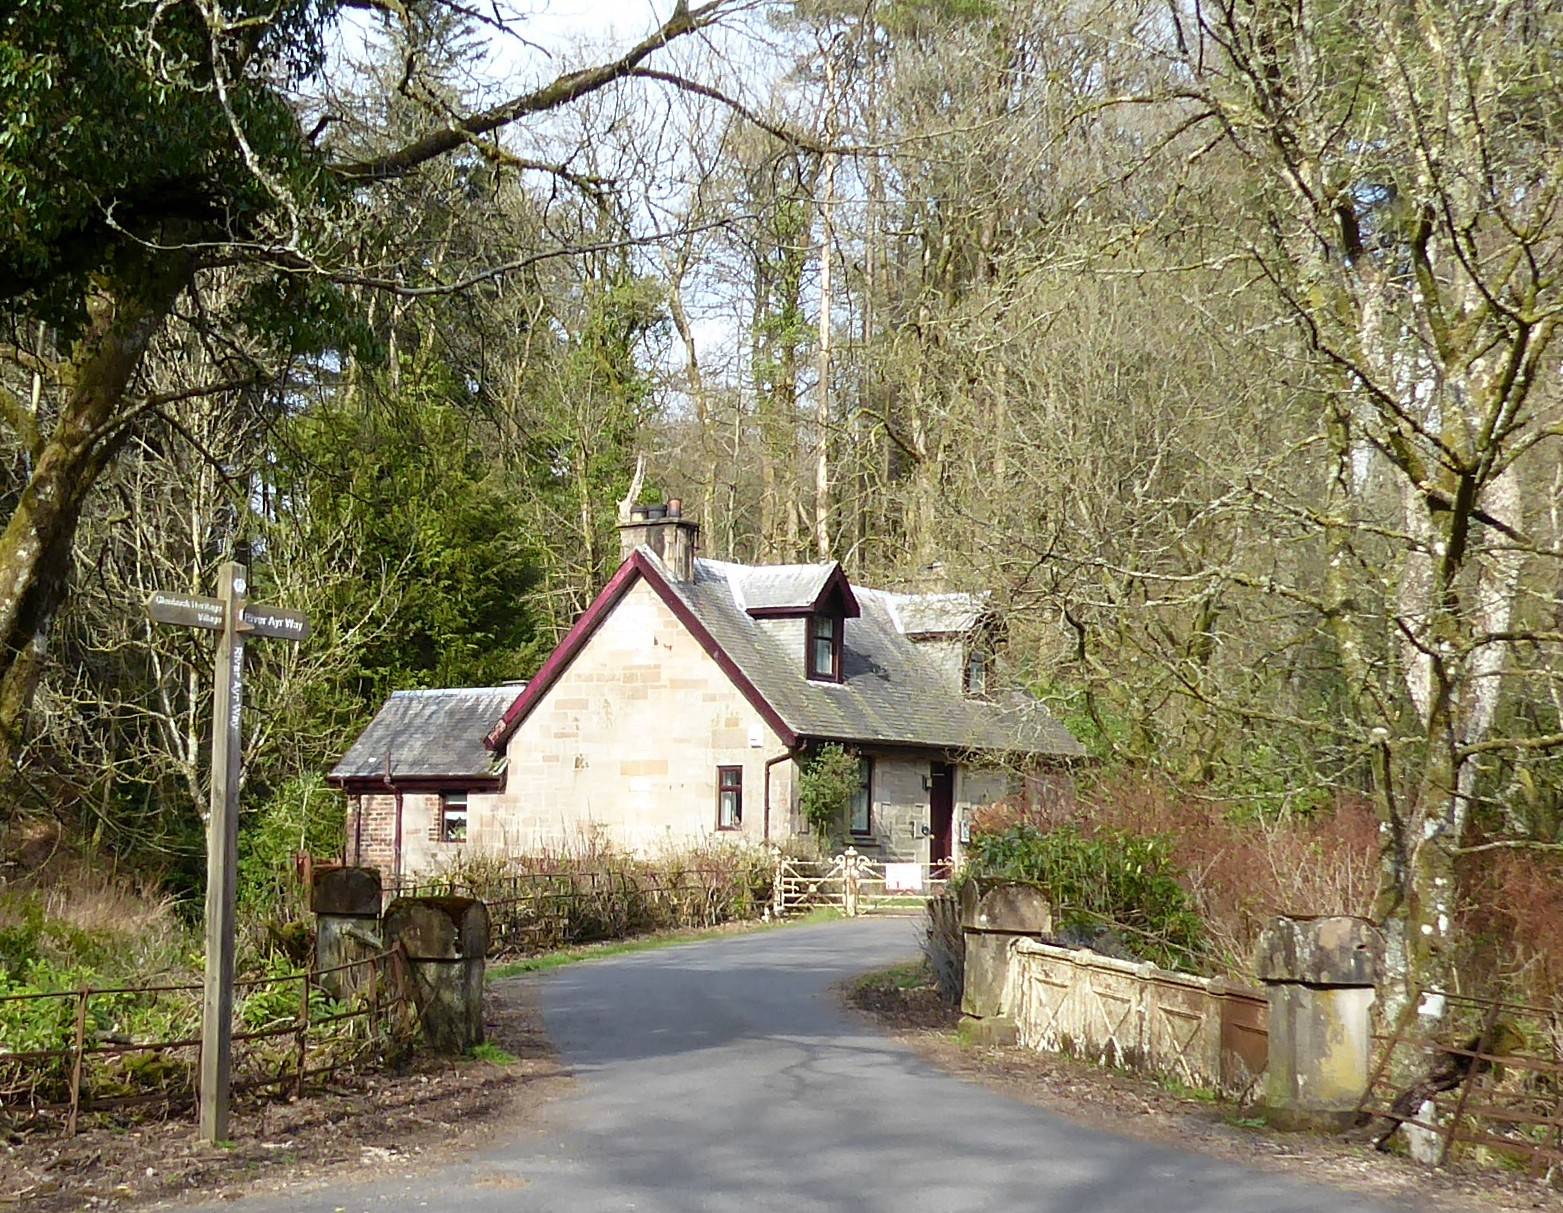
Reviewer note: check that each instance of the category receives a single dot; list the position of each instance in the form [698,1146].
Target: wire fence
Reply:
[123,1052]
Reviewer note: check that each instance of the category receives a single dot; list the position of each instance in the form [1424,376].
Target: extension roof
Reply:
[933,615]
[892,691]
[429,735]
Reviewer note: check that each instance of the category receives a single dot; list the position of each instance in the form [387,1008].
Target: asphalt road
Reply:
[725,1076]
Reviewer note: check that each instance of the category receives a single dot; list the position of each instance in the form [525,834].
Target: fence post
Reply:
[778,886]
[849,883]
[374,995]
[76,1062]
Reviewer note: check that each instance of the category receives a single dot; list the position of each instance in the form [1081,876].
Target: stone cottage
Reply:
[682,705]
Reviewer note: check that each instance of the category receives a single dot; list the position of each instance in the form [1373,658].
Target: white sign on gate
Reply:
[903,878]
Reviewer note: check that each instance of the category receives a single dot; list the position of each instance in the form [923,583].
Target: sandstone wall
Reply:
[626,745]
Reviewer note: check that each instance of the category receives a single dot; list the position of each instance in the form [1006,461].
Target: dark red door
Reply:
[941,809]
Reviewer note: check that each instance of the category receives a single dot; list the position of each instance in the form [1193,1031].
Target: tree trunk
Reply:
[35,547]
[822,403]
[827,241]
[695,381]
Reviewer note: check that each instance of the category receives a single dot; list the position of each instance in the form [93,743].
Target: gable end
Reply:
[638,566]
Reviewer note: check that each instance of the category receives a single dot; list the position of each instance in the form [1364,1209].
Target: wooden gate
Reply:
[854,884]
[888,887]
[801,885]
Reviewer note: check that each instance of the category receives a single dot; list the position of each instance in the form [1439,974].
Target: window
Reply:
[453,817]
[825,647]
[729,798]
[861,820]
[977,672]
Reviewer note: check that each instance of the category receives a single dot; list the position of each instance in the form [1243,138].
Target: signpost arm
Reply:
[222,857]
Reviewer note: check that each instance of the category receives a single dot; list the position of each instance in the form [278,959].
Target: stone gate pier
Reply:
[445,940]
[1319,975]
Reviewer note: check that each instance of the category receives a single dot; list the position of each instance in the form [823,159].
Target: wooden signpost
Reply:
[232,618]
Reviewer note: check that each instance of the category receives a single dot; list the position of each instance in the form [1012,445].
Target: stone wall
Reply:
[946,654]
[1200,1031]
[901,807]
[977,787]
[899,814]
[422,849]
[371,842]
[626,745]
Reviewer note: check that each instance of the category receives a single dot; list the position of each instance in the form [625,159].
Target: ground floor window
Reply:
[729,798]
[861,816]
[453,817]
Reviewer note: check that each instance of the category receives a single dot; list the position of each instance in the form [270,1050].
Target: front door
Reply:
[941,809]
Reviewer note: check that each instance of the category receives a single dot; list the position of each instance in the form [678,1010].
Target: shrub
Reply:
[1240,869]
[1124,882]
[825,790]
[1511,924]
[593,892]
[76,915]
[303,815]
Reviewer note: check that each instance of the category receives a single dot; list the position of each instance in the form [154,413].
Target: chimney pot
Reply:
[665,530]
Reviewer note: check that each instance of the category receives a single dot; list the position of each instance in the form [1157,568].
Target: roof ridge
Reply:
[503,686]
[766,568]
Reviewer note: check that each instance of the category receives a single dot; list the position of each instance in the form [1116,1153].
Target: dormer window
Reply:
[976,680]
[824,648]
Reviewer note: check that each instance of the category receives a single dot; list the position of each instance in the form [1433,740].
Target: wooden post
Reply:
[232,618]
[849,883]
[222,858]
[76,1062]
[778,885]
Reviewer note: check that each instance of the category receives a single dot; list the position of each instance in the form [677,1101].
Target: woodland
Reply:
[1216,339]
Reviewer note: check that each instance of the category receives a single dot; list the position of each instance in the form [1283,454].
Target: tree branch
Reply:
[560,91]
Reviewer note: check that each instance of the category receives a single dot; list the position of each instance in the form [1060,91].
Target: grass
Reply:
[557,959]
[912,975]
[1174,1086]
[493,1054]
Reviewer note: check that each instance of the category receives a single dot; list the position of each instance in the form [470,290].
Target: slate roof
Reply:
[891,691]
[778,586]
[430,734]
[937,614]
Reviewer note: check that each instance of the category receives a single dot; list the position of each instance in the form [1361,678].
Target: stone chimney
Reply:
[665,530]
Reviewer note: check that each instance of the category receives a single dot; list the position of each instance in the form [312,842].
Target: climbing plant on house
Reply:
[825,790]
